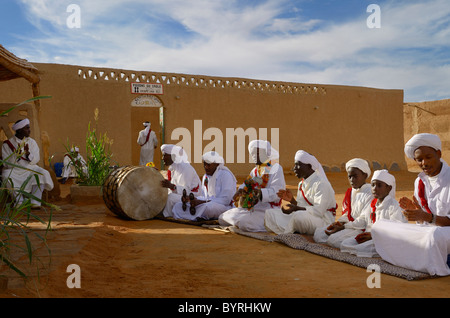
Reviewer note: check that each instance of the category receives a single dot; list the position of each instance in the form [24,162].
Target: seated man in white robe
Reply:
[269,177]
[148,142]
[315,206]
[383,206]
[356,199]
[23,151]
[73,161]
[423,246]
[218,188]
[181,177]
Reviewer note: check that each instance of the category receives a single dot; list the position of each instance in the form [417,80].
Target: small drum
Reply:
[135,193]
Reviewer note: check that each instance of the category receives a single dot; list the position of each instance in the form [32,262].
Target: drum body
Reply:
[134,192]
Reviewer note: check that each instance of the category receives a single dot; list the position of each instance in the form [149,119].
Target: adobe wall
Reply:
[428,117]
[335,123]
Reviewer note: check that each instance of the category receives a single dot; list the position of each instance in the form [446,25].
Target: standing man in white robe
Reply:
[424,246]
[148,142]
[71,160]
[218,188]
[23,150]
[269,175]
[315,206]
[383,206]
[180,176]
[356,199]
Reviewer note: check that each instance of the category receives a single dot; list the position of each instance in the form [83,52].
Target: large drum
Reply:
[135,193]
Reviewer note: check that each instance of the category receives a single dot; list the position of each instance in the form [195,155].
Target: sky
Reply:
[401,44]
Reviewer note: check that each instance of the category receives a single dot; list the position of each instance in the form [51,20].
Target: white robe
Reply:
[253,220]
[360,200]
[219,200]
[420,247]
[69,170]
[147,148]
[389,209]
[318,192]
[17,175]
[183,176]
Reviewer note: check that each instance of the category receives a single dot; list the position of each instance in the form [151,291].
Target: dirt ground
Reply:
[161,259]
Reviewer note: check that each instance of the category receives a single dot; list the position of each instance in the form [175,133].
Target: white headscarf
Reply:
[21,124]
[420,140]
[307,158]
[361,164]
[269,152]
[214,157]
[178,154]
[386,177]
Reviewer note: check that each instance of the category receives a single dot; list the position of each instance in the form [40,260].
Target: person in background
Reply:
[148,142]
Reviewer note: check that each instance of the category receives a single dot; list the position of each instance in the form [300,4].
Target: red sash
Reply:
[169,175]
[373,215]
[148,136]
[13,149]
[347,205]
[332,210]
[421,193]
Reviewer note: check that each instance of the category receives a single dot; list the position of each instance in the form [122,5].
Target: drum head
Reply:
[140,194]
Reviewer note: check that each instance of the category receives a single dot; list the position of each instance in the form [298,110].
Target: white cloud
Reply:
[225,38]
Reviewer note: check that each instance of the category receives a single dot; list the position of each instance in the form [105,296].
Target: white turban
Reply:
[21,124]
[75,149]
[307,158]
[178,153]
[214,157]
[361,164]
[386,177]
[270,152]
[146,124]
[420,140]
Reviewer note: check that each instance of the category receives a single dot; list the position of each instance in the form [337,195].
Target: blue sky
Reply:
[305,41]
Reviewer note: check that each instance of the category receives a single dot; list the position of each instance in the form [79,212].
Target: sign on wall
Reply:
[146,101]
[147,88]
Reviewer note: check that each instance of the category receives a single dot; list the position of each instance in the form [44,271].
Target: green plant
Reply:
[16,235]
[98,159]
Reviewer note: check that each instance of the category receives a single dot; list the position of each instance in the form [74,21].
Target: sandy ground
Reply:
[160,259]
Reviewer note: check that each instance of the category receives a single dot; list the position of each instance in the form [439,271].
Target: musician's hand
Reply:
[363,237]
[291,208]
[285,195]
[415,213]
[167,184]
[335,227]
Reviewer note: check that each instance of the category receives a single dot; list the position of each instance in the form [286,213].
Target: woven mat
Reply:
[305,243]
[300,242]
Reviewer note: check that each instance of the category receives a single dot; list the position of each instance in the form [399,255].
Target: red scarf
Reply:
[332,210]
[148,136]
[421,193]
[347,205]
[13,149]
[373,215]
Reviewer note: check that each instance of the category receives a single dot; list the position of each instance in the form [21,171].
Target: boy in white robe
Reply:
[72,159]
[356,199]
[383,206]
[269,175]
[423,246]
[180,176]
[218,188]
[22,150]
[148,142]
[315,206]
